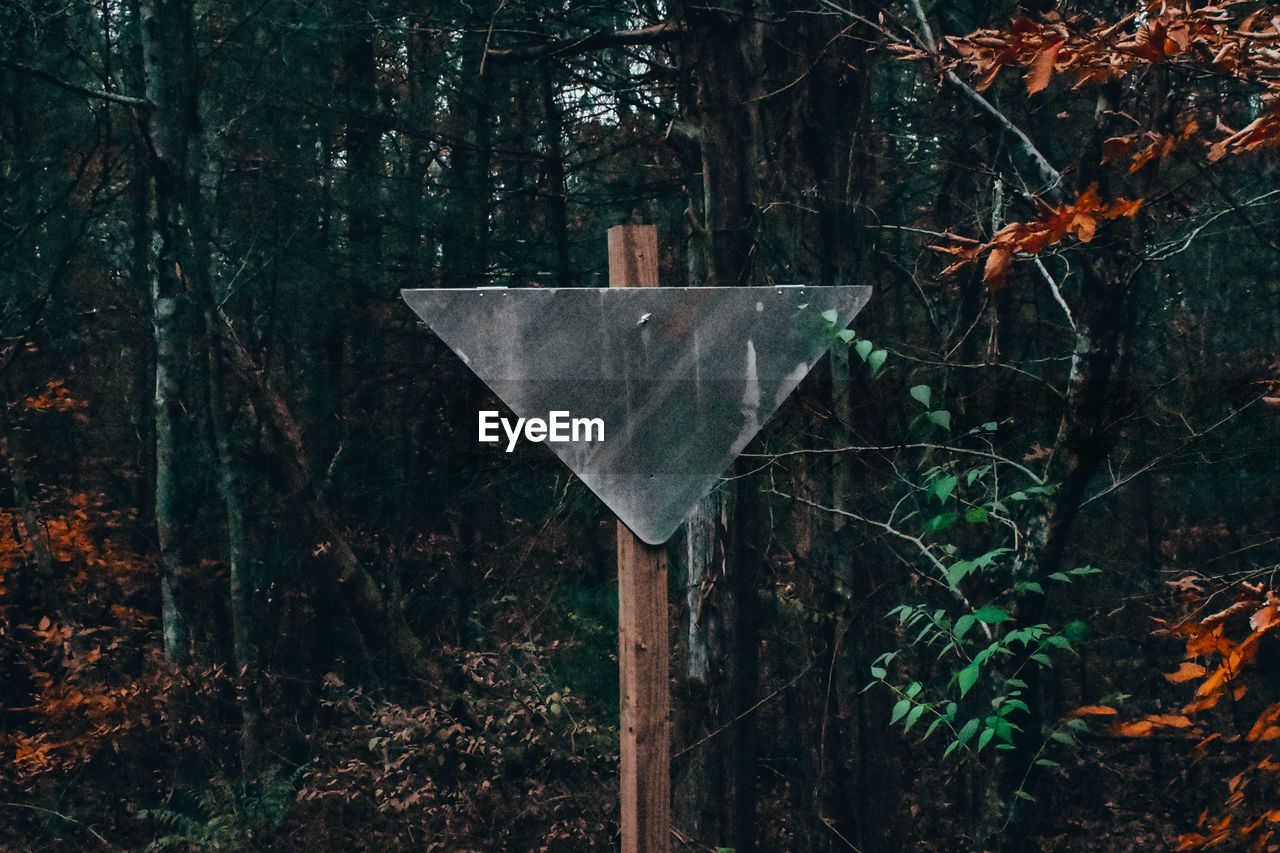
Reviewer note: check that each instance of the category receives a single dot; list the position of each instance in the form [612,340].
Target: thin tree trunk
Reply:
[466,233]
[367,603]
[557,214]
[239,560]
[717,804]
[168,50]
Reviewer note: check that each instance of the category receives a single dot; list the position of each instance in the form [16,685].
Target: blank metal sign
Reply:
[682,377]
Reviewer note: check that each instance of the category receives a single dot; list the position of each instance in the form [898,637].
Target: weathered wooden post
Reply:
[644,679]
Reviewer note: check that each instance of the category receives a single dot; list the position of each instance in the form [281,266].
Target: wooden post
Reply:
[642,624]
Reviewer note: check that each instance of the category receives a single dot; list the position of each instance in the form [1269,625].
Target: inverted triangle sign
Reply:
[681,377]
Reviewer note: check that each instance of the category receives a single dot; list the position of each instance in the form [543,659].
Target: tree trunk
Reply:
[717,802]
[466,231]
[169,62]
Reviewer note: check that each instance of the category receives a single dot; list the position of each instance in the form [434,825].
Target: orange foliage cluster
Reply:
[56,398]
[1219,651]
[76,705]
[1233,38]
[1079,218]
[13,553]
[1229,37]
[80,538]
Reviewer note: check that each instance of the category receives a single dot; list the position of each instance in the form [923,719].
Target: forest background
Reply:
[260,588]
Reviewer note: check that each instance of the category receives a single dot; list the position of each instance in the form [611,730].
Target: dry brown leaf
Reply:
[1186,671]
[997,268]
[1144,726]
[1042,67]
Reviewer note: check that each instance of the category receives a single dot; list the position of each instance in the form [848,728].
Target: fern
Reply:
[229,814]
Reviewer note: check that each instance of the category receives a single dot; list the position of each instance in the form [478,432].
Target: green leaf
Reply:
[1059,576]
[969,730]
[914,716]
[992,615]
[942,488]
[976,515]
[967,677]
[878,672]
[863,349]
[991,556]
[1075,631]
[846,335]
[959,570]
[963,624]
[942,418]
[976,473]
[1063,737]
[985,737]
[831,315]
[1023,795]
[1058,642]
[1047,762]
[922,394]
[900,710]
[1041,659]
[934,725]
[1086,570]
[876,360]
[941,521]
[991,426]
[913,689]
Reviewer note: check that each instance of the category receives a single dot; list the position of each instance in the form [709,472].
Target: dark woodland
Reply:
[1000,576]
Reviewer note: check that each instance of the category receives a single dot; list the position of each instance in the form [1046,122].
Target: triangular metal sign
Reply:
[679,378]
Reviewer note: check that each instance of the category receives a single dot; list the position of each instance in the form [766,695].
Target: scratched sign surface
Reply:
[683,378]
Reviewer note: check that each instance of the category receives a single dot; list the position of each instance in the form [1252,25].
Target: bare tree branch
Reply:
[1039,481]
[100,94]
[656,34]
[1125,480]
[1051,176]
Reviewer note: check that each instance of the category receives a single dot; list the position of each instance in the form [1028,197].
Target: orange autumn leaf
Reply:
[1144,726]
[1267,616]
[1264,727]
[1084,227]
[1093,711]
[1042,67]
[1230,668]
[1202,704]
[997,268]
[1118,146]
[1186,671]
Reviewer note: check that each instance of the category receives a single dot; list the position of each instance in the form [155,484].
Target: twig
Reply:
[1157,460]
[725,727]
[1174,247]
[887,528]
[656,34]
[68,819]
[892,531]
[1057,294]
[986,454]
